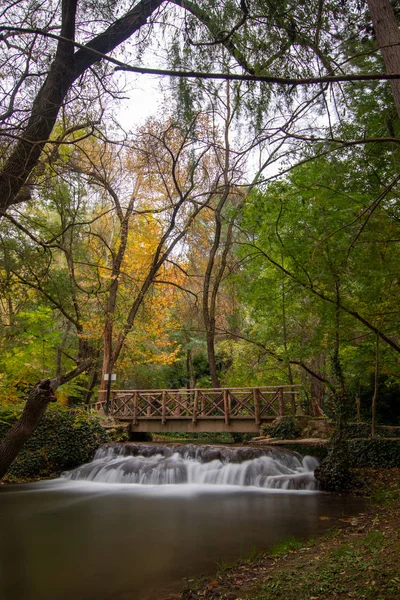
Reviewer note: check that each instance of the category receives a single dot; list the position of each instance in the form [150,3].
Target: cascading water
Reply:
[269,468]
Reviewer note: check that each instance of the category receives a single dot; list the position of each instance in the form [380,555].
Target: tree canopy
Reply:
[248,234]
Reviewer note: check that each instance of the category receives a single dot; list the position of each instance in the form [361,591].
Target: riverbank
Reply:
[358,558]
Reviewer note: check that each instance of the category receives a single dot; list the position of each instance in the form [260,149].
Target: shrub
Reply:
[363,430]
[63,440]
[375,453]
[283,428]
[334,474]
[356,430]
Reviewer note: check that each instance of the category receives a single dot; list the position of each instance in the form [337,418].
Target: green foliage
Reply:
[27,351]
[241,438]
[119,433]
[205,437]
[310,240]
[363,430]
[283,548]
[357,430]
[284,428]
[63,440]
[334,473]
[384,496]
[323,228]
[374,453]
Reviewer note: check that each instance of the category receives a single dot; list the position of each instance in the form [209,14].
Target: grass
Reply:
[350,570]
[283,548]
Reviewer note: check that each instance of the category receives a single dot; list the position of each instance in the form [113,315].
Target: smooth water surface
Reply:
[79,540]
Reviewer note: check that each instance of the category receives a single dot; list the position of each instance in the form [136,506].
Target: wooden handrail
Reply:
[203,404]
[190,390]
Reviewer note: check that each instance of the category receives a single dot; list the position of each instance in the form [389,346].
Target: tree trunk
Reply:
[66,68]
[93,379]
[285,347]
[209,295]
[36,405]
[317,389]
[375,396]
[212,363]
[388,38]
[340,396]
[191,376]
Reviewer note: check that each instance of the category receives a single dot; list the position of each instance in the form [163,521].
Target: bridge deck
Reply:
[200,410]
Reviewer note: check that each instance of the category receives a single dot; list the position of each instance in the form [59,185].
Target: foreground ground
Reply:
[358,558]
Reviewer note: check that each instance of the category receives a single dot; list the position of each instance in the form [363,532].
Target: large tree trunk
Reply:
[38,400]
[388,37]
[212,362]
[210,293]
[66,68]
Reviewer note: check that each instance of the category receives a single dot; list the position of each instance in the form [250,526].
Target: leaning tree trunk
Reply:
[36,405]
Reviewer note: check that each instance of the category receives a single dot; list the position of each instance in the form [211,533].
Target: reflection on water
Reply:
[74,540]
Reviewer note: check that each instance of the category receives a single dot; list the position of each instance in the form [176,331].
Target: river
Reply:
[79,539]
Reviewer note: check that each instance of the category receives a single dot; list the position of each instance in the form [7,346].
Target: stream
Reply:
[139,518]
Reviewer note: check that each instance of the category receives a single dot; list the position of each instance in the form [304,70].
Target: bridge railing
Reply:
[201,404]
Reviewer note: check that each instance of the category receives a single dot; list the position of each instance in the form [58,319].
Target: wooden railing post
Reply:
[293,401]
[256,398]
[203,405]
[195,406]
[296,401]
[187,405]
[135,408]
[148,411]
[177,410]
[226,407]
[163,408]
[280,401]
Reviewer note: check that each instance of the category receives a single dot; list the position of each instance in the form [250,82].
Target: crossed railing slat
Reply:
[195,404]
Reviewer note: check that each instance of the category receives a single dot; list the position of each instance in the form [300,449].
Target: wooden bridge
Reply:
[200,410]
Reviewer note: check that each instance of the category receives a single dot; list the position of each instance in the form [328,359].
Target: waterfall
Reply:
[150,464]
